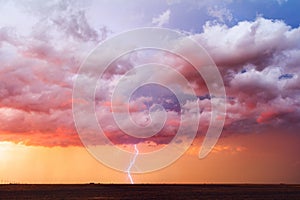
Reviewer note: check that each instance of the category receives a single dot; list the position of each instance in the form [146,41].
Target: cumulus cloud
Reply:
[221,14]
[162,19]
[265,40]
[280,2]
[59,18]
[37,72]
[260,69]
[259,62]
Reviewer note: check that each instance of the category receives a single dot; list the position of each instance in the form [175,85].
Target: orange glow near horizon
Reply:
[242,159]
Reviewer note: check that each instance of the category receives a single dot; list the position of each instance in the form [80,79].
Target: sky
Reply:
[255,45]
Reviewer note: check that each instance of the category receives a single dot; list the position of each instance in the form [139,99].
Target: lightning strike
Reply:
[131,164]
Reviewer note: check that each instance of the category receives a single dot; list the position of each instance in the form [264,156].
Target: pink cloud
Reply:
[37,75]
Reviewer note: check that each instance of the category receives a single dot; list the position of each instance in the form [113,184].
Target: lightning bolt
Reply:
[131,164]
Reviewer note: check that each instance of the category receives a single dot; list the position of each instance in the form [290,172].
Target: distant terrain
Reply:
[149,191]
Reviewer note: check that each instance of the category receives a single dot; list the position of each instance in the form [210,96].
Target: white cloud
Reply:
[162,19]
[280,2]
[222,14]
[249,42]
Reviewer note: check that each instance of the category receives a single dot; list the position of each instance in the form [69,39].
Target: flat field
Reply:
[149,191]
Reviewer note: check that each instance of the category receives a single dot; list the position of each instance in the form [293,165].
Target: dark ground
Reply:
[150,191]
